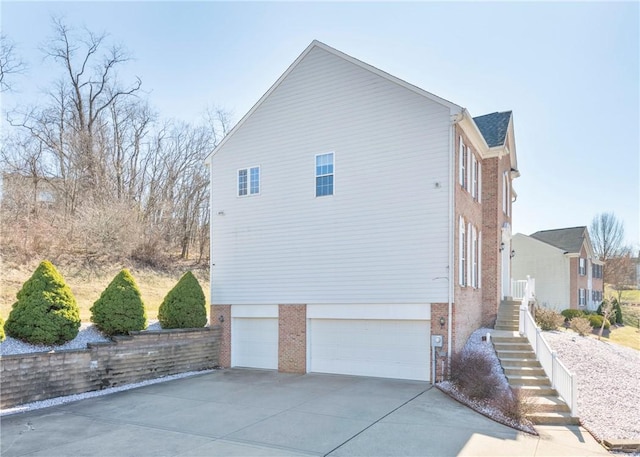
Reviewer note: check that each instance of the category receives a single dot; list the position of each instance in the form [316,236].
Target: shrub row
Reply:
[46,311]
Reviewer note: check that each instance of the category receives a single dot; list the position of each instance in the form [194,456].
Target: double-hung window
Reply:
[463,164]
[324,174]
[582,297]
[582,267]
[248,181]
[462,238]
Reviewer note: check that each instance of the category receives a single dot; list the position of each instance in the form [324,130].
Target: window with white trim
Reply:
[463,164]
[505,193]
[462,239]
[474,257]
[479,175]
[474,177]
[479,259]
[324,174]
[248,181]
[596,270]
[582,267]
[582,297]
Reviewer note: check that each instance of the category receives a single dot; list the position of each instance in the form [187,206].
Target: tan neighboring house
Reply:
[566,270]
[359,224]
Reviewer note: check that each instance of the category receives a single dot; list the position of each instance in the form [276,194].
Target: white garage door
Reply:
[382,348]
[254,342]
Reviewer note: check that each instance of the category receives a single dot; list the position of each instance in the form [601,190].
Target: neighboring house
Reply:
[567,272]
[19,190]
[353,217]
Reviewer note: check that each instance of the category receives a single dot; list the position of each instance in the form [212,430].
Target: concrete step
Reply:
[507,321]
[509,339]
[549,404]
[522,371]
[531,362]
[513,328]
[500,346]
[506,354]
[526,380]
[537,391]
[553,419]
[511,303]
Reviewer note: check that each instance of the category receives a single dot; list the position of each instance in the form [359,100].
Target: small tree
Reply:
[46,311]
[184,306]
[119,310]
[606,309]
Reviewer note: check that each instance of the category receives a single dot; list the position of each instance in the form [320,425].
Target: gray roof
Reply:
[568,239]
[494,127]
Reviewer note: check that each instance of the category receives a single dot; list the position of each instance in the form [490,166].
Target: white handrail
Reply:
[562,380]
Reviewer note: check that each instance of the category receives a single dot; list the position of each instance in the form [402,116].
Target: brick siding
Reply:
[224,312]
[292,338]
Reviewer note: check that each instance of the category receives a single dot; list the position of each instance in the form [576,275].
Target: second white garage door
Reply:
[254,342]
[370,347]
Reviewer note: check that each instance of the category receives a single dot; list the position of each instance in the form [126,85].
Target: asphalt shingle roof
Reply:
[568,239]
[494,127]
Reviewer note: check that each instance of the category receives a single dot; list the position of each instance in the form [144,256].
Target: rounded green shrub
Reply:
[2,336]
[571,313]
[119,310]
[596,321]
[46,311]
[184,306]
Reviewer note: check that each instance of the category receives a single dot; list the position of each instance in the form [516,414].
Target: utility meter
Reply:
[436,341]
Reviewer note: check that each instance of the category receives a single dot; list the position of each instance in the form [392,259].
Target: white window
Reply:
[582,267]
[462,239]
[474,177]
[324,174]
[463,164]
[479,259]
[248,181]
[474,257]
[505,193]
[582,297]
[479,175]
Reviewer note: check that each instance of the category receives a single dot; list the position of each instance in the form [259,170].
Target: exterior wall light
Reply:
[221,318]
[513,253]
[501,247]
[442,322]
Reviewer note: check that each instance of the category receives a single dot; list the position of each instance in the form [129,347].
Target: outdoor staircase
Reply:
[523,370]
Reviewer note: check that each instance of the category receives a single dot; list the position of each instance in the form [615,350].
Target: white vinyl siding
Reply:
[367,243]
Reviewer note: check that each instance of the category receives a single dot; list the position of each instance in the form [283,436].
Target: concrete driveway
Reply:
[242,412]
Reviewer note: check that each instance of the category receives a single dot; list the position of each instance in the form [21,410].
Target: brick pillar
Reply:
[292,338]
[439,310]
[224,311]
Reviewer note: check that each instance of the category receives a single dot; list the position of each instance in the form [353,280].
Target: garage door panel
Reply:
[255,343]
[383,348]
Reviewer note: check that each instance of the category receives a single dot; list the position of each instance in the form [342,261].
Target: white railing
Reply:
[562,380]
[518,288]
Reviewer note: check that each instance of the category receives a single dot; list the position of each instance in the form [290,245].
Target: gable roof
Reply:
[455,109]
[569,239]
[494,127]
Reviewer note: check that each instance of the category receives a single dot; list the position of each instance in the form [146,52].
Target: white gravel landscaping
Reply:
[608,377]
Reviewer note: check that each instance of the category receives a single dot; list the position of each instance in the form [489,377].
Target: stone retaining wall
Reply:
[138,357]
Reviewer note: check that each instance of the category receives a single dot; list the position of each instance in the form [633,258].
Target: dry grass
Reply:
[88,285]
[626,336]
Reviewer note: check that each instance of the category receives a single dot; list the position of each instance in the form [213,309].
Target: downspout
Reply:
[452,182]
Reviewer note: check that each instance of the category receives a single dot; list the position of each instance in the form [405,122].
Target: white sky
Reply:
[569,71]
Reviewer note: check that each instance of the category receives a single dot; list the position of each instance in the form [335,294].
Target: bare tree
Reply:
[10,63]
[607,235]
[620,272]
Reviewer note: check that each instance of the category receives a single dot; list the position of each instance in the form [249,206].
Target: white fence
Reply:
[517,289]
[562,380]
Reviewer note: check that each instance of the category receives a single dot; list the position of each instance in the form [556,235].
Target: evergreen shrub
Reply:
[46,311]
[571,313]
[2,336]
[184,306]
[596,321]
[119,310]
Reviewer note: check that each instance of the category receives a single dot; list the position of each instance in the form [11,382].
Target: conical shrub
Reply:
[46,311]
[120,310]
[184,306]
[2,337]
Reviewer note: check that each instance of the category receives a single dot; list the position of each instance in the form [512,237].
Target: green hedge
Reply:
[120,310]
[596,321]
[184,306]
[571,313]
[46,311]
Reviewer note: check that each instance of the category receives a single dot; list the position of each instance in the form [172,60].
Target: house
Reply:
[359,224]
[568,274]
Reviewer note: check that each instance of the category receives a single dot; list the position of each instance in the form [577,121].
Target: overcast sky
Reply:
[569,71]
